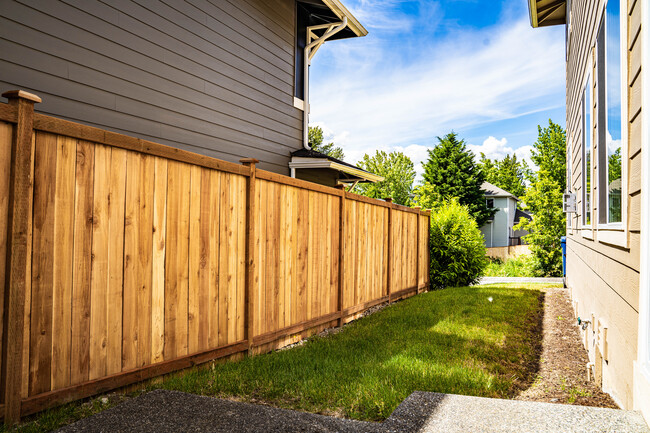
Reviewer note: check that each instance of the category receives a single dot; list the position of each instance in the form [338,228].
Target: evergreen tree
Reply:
[544,199]
[397,171]
[452,172]
[316,143]
[507,173]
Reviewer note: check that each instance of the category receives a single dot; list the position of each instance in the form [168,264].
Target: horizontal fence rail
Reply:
[125,259]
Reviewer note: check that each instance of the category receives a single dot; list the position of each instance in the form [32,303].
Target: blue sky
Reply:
[428,67]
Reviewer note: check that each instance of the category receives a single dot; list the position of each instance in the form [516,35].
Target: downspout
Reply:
[315,43]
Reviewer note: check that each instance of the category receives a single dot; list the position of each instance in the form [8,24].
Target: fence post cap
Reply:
[340,186]
[388,199]
[21,94]
[249,161]
[417,207]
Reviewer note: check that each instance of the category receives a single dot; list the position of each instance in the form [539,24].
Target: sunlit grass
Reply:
[522,266]
[481,340]
[454,341]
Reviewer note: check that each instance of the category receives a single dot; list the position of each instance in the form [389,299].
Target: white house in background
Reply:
[500,232]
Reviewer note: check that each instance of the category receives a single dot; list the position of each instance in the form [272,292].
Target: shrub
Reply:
[457,248]
[522,266]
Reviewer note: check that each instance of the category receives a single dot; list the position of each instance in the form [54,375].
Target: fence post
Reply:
[389,255]
[251,215]
[427,274]
[16,272]
[341,254]
[417,253]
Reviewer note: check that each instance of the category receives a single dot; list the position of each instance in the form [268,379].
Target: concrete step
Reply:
[451,413]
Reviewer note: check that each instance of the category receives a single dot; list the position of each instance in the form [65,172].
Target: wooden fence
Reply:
[509,252]
[127,259]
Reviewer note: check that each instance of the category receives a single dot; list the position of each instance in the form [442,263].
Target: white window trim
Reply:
[587,230]
[569,169]
[642,364]
[617,233]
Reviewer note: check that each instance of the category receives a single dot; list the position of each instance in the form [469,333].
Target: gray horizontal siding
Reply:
[214,77]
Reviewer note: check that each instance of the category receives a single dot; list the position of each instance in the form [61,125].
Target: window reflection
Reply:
[587,128]
[613,108]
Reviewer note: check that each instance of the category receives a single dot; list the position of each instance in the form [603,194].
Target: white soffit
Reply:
[298,162]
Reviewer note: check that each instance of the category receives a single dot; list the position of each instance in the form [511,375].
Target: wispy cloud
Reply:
[380,92]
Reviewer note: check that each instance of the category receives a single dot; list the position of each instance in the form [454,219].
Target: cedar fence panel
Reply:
[141,260]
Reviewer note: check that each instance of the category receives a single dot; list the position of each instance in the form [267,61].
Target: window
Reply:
[587,137]
[610,115]
[489,203]
[569,166]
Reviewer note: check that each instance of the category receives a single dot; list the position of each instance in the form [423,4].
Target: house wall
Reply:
[603,265]
[215,78]
[497,235]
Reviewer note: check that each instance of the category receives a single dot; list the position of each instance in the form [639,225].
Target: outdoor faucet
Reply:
[583,323]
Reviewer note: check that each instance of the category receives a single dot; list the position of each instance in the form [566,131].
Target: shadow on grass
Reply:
[481,341]
[473,341]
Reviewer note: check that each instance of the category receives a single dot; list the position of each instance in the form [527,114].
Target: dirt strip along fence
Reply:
[125,259]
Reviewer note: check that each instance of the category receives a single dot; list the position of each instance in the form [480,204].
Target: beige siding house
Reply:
[607,60]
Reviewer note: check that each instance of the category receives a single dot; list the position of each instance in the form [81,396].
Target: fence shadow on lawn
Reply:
[464,346]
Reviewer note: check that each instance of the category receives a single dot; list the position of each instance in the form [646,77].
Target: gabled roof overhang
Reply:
[545,13]
[333,11]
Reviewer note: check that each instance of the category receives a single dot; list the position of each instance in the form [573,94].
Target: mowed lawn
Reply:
[482,341]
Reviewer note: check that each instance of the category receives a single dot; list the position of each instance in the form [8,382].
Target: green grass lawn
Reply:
[453,341]
[522,266]
[482,341]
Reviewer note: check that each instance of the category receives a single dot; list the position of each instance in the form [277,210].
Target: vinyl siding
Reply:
[213,77]
[604,279]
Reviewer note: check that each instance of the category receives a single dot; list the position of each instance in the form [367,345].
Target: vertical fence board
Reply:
[240,273]
[213,290]
[193,316]
[80,344]
[132,269]
[62,296]
[224,223]
[176,260]
[116,208]
[303,254]
[99,264]
[204,261]
[42,263]
[6,132]
[145,251]
[158,261]
[260,269]
[232,261]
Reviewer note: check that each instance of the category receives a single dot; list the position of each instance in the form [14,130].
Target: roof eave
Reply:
[308,163]
[547,14]
[341,11]
[532,13]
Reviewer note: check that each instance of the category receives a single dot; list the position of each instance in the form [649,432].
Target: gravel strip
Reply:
[163,411]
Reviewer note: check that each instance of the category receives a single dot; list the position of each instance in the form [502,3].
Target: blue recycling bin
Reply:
[563,242]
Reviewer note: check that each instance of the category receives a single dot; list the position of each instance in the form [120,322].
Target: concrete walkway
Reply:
[501,280]
[172,411]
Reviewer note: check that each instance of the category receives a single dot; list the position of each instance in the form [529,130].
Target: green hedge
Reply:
[457,247]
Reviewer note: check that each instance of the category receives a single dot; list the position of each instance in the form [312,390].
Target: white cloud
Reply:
[612,145]
[366,90]
[491,148]
[498,149]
